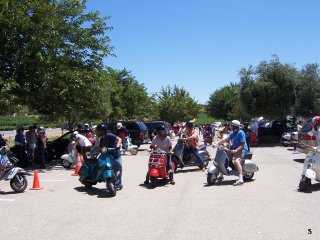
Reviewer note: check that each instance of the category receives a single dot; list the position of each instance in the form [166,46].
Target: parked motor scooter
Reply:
[223,164]
[133,149]
[157,167]
[182,157]
[311,170]
[69,160]
[9,172]
[99,166]
[207,138]
[289,138]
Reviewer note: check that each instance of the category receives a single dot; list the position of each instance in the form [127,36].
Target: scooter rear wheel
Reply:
[248,176]
[153,181]
[19,183]
[211,178]
[134,151]
[66,164]
[304,184]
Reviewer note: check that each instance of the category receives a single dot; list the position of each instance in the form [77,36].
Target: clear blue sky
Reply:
[201,45]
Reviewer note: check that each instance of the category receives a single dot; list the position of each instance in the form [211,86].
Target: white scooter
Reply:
[69,160]
[222,164]
[311,170]
[133,149]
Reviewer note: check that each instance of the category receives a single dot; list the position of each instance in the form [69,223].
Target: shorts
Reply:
[239,155]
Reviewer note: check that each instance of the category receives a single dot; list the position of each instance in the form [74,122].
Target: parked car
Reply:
[275,127]
[306,141]
[138,131]
[152,128]
[58,147]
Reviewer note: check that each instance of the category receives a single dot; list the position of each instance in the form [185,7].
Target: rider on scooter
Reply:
[238,148]
[192,141]
[163,142]
[109,140]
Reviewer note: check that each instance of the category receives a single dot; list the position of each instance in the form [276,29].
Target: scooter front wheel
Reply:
[211,178]
[19,183]
[304,184]
[111,189]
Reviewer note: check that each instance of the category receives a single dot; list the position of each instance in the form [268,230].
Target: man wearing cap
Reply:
[238,148]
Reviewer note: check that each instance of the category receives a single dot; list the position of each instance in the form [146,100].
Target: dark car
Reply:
[152,127]
[138,131]
[58,147]
[306,141]
[275,127]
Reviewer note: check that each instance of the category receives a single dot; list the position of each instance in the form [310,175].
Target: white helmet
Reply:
[235,123]
[119,125]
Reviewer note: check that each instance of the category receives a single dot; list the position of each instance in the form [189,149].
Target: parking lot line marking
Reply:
[7,200]
[54,180]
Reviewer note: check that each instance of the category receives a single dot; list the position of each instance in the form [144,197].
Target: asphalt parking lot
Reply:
[268,207]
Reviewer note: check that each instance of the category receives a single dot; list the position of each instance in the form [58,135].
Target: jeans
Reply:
[118,167]
[124,143]
[195,151]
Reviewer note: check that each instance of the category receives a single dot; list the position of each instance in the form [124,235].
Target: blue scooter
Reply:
[99,167]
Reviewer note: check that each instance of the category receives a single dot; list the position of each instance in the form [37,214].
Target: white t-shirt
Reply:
[163,144]
[83,141]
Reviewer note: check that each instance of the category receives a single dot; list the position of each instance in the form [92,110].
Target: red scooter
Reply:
[158,166]
[207,138]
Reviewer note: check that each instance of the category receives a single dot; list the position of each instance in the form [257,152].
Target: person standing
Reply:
[122,133]
[41,147]
[31,136]
[20,147]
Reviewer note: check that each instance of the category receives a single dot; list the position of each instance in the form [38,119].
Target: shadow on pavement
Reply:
[299,160]
[93,191]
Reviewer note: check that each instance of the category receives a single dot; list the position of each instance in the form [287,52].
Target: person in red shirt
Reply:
[122,133]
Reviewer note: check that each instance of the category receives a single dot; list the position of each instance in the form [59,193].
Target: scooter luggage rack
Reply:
[157,159]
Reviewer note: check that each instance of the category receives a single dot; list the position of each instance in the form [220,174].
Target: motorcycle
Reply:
[182,156]
[157,167]
[289,138]
[311,170]
[99,167]
[133,149]
[207,138]
[222,164]
[9,172]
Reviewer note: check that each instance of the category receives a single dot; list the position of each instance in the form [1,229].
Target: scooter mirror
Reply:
[310,134]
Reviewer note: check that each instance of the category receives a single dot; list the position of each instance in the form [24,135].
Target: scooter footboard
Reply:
[249,166]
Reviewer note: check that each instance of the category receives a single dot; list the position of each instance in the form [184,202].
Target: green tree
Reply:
[224,103]
[129,99]
[269,89]
[51,57]
[176,105]
[308,91]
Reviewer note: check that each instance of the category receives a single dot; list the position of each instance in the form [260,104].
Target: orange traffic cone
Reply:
[78,165]
[36,183]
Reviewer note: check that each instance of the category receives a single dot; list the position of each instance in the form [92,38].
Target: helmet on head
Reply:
[101,129]
[315,122]
[119,125]
[161,130]
[189,125]
[41,130]
[86,126]
[235,123]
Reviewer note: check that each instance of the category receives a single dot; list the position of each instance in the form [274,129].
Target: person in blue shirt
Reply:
[109,140]
[238,147]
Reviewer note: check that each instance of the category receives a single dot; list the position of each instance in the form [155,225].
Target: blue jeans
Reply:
[118,167]
[124,143]
[195,151]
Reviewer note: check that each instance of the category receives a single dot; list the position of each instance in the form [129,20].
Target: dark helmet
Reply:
[101,129]
[189,125]
[161,130]
[20,128]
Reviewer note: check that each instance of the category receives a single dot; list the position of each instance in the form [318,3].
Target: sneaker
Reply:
[118,187]
[238,182]
[146,182]
[172,182]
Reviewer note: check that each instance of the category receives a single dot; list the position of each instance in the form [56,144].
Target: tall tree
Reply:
[269,89]
[176,105]
[51,56]
[308,91]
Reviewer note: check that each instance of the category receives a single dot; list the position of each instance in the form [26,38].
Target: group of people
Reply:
[31,145]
